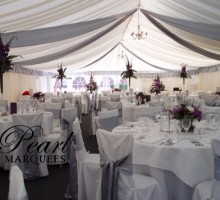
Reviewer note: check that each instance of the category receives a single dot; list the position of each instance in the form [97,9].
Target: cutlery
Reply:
[197,143]
[173,142]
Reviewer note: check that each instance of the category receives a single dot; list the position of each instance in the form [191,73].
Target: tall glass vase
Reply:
[184,86]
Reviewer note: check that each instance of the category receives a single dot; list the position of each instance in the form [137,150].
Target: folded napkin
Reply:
[153,139]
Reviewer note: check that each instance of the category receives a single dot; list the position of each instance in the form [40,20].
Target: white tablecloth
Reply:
[183,164]
[6,122]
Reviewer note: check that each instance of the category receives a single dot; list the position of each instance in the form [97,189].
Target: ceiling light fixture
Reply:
[139,34]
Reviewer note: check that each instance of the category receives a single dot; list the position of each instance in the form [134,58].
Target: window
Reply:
[79,83]
[107,82]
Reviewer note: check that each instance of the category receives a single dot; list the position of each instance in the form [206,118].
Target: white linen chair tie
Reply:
[210,190]
[109,119]
[117,181]
[17,190]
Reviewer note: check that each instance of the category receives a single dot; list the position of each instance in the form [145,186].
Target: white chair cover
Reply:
[150,112]
[17,190]
[109,119]
[72,188]
[85,100]
[57,100]
[210,190]
[102,101]
[55,108]
[92,115]
[117,180]
[156,103]
[88,166]
[23,123]
[114,105]
[68,116]
[115,97]
[78,104]
[210,100]
[169,102]
[209,110]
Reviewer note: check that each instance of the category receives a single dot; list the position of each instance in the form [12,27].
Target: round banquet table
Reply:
[177,168]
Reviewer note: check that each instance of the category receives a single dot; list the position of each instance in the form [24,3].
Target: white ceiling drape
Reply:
[90,35]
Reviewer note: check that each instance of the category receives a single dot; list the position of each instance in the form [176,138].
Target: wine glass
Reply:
[186,123]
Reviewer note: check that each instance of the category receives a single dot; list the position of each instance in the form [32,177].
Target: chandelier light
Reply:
[139,34]
[122,55]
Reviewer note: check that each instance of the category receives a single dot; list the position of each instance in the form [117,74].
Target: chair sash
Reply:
[109,123]
[79,107]
[72,188]
[217,167]
[110,174]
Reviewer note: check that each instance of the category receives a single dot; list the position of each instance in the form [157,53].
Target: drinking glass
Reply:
[215,121]
[186,123]
[178,127]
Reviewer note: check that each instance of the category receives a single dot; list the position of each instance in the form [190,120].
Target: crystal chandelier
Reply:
[139,34]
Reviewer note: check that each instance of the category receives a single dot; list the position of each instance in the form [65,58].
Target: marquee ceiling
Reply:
[90,35]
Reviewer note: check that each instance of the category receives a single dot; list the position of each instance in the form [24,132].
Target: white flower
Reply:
[190,108]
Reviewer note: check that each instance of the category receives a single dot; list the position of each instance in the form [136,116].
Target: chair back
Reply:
[80,146]
[29,127]
[114,105]
[115,97]
[109,119]
[116,164]
[156,103]
[210,100]
[150,112]
[17,190]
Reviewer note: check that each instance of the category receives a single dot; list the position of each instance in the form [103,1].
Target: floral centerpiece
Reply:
[183,111]
[61,74]
[117,90]
[129,73]
[5,58]
[186,112]
[140,97]
[157,86]
[92,85]
[26,93]
[39,96]
[183,73]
